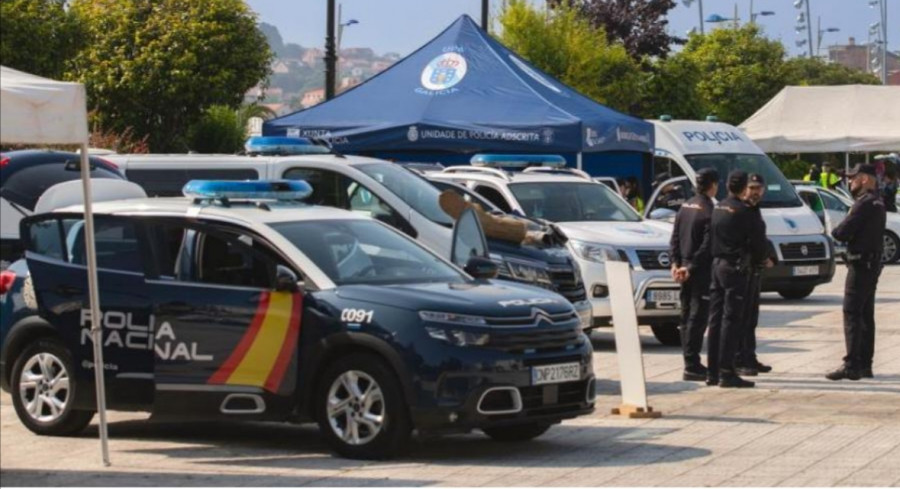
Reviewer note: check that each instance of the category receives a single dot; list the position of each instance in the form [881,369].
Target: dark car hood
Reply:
[493,299]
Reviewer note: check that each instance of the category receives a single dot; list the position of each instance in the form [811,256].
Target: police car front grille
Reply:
[567,283]
[532,320]
[650,259]
[568,393]
[540,340]
[794,251]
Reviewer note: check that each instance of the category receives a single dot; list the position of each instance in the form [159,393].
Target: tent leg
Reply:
[578,161]
[96,318]
[846,162]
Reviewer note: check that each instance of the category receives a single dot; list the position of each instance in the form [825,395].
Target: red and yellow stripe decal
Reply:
[275,328]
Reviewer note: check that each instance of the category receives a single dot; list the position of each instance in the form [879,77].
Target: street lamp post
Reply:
[821,33]
[330,54]
[882,12]
[687,3]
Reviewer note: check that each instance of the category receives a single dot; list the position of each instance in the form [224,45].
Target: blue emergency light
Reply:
[517,161]
[282,146]
[247,190]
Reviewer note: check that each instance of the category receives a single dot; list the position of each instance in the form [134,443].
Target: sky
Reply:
[401,26]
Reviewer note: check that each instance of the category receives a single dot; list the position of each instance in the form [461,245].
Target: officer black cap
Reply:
[756,179]
[737,181]
[862,168]
[707,177]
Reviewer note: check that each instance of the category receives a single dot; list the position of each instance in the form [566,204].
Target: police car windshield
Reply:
[572,202]
[411,188]
[365,252]
[779,192]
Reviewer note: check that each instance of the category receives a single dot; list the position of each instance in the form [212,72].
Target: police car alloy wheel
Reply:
[362,411]
[44,390]
[517,432]
[891,251]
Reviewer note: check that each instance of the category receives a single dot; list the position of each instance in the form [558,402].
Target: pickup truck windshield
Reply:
[779,192]
[572,202]
[365,252]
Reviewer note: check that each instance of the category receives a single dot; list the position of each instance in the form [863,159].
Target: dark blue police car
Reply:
[244,304]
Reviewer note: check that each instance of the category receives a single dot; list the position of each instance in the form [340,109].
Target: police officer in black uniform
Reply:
[747,363]
[863,231]
[691,254]
[734,237]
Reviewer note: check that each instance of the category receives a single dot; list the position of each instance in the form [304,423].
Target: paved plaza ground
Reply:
[794,429]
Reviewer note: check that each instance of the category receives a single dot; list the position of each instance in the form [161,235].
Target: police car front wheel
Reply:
[361,408]
[44,390]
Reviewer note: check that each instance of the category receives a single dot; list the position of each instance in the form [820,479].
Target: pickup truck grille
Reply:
[650,259]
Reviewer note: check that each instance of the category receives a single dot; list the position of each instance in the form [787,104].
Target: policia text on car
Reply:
[862,230]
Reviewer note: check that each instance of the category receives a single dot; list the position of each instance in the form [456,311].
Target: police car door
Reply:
[226,339]
[667,199]
[58,267]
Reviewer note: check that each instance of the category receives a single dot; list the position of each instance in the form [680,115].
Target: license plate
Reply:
[663,296]
[806,271]
[555,374]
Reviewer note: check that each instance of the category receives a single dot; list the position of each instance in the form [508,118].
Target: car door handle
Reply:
[69,290]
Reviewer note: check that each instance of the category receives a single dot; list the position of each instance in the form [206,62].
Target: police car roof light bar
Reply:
[283,146]
[224,191]
[517,161]
[478,169]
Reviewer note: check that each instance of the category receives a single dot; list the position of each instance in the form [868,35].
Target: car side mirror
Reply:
[662,214]
[481,268]
[286,280]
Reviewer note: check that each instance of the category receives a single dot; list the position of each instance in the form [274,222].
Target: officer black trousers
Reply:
[746,355]
[726,303]
[694,315]
[859,313]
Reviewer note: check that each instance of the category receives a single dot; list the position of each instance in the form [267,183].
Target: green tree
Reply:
[37,36]
[813,71]
[672,89]
[222,129]
[740,70]
[566,46]
[154,66]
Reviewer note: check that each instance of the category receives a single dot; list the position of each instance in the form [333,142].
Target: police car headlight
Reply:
[594,252]
[452,318]
[529,273]
[457,337]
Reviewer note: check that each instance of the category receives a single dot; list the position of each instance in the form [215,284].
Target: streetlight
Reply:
[687,3]
[880,37]
[803,22]
[821,32]
[764,13]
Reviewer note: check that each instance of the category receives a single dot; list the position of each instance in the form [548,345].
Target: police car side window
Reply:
[327,186]
[232,259]
[494,197]
[116,239]
[45,239]
[833,204]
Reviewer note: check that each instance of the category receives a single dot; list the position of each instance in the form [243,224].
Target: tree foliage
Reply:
[640,25]
[671,88]
[563,44]
[37,36]
[155,66]
[813,71]
[740,70]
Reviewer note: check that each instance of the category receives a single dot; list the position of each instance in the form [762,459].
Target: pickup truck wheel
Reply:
[796,293]
[517,432]
[667,333]
[43,390]
[362,411]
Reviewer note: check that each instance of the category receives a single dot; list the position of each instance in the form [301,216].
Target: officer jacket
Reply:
[863,228]
[759,226]
[690,244]
[735,234]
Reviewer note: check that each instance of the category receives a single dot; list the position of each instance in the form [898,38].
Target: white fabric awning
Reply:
[37,110]
[831,119]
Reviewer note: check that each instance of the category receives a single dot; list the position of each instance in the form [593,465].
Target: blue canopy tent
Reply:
[464,93]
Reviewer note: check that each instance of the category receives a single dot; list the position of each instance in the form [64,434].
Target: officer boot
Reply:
[844,373]
[731,380]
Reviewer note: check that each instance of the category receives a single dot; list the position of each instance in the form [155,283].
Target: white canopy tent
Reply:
[35,110]
[830,119]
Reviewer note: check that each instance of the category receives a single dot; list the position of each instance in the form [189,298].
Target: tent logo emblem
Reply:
[444,71]
[412,134]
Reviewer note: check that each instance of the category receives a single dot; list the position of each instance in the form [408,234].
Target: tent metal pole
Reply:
[847,161]
[94,292]
[578,160]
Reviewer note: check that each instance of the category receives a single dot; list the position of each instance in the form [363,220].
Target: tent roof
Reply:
[842,118]
[463,91]
[41,111]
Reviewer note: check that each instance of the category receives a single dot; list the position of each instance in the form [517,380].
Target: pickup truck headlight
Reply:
[457,337]
[594,252]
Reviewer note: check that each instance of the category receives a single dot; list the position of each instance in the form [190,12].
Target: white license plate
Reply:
[555,374]
[806,271]
[663,296]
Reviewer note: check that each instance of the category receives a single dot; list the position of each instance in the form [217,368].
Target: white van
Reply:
[796,236]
